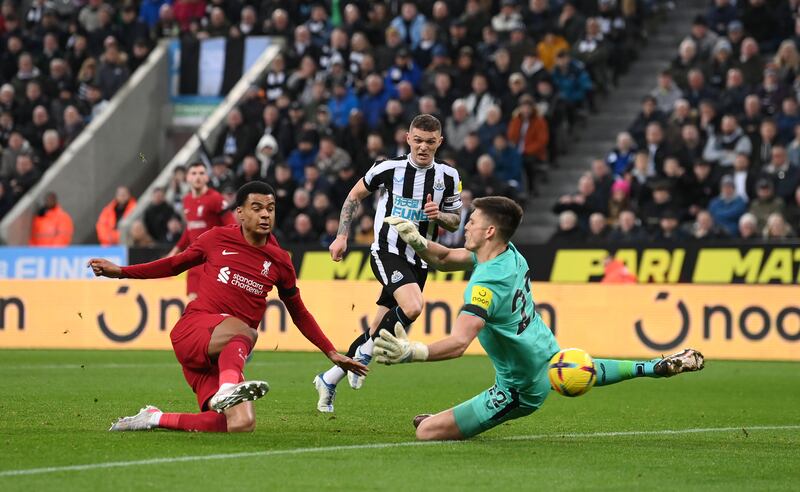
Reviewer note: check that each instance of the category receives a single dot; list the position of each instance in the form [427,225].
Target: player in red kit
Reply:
[239,266]
[203,209]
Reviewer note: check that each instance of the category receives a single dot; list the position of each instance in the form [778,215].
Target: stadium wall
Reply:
[724,322]
[120,146]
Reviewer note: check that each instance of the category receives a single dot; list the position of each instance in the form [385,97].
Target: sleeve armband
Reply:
[475,310]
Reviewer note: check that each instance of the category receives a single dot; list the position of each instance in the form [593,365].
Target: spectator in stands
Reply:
[750,62]
[236,139]
[131,29]
[313,182]
[16,145]
[73,124]
[157,215]
[250,170]
[331,230]
[722,148]
[177,188]
[653,211]
[174,231]
[508,165]
[787,119]
[627,230]
[702,187]
[52,225]
[284,187]
[785,177]
[24,177]
[459,125]
[302,231]
[409,24]
[648,114]
[704,38]
[113,71]
[51,150]
[666,93]
[301,204]
[744,179]
[722,61]
[268,155]
[485,182]
[341,103]
[550,46]
[568,232]
[620,159]
[593,51]
[686,60]
[728,207]
[697,90]
[793,148]
[584,202]
[493,126]
[598,229]
[331,158]
[117,209]
[573,83]
[704,228]
[222,175]
[748,228]
[303,156]
[720,15]
[767,138]
[529,134]
[668,230]
[373,102]
[777,228]
[792,211]
[480,99]
[772,92]
[765,203]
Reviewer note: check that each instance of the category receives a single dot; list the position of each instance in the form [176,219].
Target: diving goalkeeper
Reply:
[499,310]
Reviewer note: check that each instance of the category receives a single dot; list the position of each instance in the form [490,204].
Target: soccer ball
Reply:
[572,372]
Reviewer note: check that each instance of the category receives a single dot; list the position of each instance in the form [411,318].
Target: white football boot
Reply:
[146,419]
[232,394]
[327,394]
[356,381]
[687,360]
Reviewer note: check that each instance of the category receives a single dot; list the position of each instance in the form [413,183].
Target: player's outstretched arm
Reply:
[440,257]
[395,349]
[165,267]
[339,245]
[448,220]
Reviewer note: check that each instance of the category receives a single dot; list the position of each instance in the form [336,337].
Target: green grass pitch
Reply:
[738,428]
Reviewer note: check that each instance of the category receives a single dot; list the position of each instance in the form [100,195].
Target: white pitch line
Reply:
[359,447]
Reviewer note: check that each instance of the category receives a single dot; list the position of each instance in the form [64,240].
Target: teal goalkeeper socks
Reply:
[610,371]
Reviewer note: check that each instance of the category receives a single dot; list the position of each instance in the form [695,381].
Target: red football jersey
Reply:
[235,279]
[202,213]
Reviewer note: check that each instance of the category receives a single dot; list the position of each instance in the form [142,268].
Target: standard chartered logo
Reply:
[224,275]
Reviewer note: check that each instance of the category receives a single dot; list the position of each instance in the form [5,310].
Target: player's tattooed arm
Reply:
[450,221]
[346,217]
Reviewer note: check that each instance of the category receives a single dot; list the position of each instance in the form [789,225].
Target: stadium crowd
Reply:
[60,64]
[715,150]
[506,78]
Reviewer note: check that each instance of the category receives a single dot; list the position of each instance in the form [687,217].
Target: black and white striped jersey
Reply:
[403,188]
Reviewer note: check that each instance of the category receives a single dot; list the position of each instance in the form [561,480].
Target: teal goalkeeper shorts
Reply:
[495,406]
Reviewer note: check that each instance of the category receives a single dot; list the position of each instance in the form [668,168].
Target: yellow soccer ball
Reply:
[572,372]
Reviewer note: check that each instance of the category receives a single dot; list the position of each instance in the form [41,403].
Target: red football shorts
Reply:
[193,279]
[190,339]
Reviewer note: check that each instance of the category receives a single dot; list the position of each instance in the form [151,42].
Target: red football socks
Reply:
[208,421]
[232,358]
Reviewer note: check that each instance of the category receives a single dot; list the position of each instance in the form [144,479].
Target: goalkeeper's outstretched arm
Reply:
[397,349]
[440,257]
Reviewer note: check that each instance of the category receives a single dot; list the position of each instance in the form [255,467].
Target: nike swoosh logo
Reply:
[226,252]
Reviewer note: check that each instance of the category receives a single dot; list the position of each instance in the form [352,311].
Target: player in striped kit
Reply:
[415,187]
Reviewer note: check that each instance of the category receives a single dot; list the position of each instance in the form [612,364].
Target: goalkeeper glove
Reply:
[394,349]
[408,233]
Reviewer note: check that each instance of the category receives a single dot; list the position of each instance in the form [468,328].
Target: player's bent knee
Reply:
[412,309]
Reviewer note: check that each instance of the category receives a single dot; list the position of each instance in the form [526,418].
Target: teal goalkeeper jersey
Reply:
[515,337]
